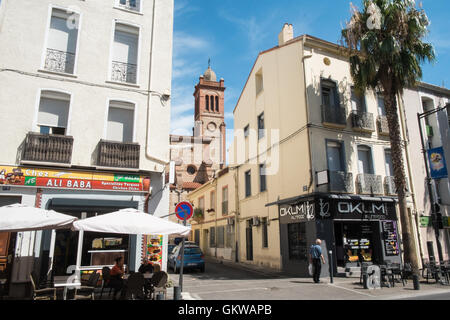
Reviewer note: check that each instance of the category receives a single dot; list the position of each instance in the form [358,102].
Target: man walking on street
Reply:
[316,258]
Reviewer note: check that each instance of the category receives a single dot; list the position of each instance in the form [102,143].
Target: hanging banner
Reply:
[438,166]
[65,179]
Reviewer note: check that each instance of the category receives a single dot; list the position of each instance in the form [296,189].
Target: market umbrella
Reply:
[19,217]
[130,221]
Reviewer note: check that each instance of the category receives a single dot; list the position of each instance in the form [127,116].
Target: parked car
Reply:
[193,258]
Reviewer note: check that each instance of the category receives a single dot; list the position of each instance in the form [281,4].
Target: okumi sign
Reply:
[325,208]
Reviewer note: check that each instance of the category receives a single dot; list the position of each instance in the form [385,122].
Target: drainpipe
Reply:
[148,155]
[411,184]
[237,212]
[307,111]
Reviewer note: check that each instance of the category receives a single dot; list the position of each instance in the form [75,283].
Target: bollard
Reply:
[160,296]
[416,282]
[364,277]
[331,266]
[176,293]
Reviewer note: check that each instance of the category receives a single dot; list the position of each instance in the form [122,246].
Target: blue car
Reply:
[193,258]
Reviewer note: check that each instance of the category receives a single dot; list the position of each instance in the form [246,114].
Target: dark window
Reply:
[191,169]
[261,126]
[212,237]
[335,156]
[246,130]
[262,178]
[330,97]
[265,240]
[217,103]
[220,237]
[298,249]
[207,102]
[212,102]
[197,237]
[248,184]
[357,101]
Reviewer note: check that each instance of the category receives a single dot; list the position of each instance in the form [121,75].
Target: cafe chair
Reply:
[135,286]
[42,294]
[158,284]
[87,292]
[106,283]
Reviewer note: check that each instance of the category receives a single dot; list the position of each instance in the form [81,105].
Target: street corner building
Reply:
[311,159]
[85,111]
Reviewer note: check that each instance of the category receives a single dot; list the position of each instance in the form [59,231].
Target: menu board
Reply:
[390,238]
[154,249]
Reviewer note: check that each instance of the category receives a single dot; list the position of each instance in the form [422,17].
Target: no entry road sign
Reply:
[182,209]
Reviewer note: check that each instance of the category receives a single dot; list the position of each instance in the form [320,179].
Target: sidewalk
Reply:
[280,286]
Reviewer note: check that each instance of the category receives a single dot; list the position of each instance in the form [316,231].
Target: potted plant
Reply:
[198,215]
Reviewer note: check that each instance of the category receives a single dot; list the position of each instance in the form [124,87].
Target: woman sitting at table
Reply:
[116,273]
[146,267]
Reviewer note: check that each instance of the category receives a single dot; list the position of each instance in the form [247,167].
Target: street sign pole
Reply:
[182,255]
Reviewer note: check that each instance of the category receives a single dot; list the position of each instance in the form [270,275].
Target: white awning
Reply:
[131,221]
[19,217]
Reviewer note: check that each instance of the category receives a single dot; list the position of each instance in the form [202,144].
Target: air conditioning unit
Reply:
[255,221]
[230,221]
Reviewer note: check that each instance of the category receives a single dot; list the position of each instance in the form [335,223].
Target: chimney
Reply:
[286,34]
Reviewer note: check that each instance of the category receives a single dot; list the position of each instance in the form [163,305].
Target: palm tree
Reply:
[385,53]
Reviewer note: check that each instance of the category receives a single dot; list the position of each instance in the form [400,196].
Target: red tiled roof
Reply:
[191,185]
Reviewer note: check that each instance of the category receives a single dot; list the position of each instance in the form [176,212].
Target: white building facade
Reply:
[85,107]
[435,134]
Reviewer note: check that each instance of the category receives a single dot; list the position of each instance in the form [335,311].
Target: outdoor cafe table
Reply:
[146,276]
[62,282]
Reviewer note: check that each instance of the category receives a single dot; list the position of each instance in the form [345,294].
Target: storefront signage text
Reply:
[32,177]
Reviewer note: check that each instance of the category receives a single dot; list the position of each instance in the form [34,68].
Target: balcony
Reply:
[362,121]
[334,116]
[369,184]
[129,5]
[390,188]
[340,181]
[382,126]
[118,154]
[124,72]
[47,148]
[59,61]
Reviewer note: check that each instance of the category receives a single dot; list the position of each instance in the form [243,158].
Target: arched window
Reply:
[217,103]
[207,102]
[212,103]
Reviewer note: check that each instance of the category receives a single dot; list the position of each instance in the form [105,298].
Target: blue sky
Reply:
[233,32]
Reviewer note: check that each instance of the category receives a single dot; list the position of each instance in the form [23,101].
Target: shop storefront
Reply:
[353,228]
[82,194]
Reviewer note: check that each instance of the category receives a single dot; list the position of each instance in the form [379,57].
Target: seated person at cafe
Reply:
[146,267]
[116,273]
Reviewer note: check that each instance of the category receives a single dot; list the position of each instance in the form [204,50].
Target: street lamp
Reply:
[434,204]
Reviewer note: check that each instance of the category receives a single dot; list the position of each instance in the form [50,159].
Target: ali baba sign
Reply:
[79,180]
[325,208]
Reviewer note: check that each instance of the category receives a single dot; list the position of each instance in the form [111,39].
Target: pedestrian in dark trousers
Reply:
[316,259]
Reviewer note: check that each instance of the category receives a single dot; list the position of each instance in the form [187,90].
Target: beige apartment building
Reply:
[311,160]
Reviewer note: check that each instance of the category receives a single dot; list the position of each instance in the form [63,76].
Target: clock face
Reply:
[212,126]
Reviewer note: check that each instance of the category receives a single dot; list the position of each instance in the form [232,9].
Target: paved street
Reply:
[226,282]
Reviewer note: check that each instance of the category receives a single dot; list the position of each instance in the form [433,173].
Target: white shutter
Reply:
[53,113]
[125,46]
[120,124]
[61,37]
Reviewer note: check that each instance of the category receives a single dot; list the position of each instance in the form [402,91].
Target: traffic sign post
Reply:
[184,211]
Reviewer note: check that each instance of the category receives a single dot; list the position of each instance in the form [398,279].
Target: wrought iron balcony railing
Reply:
[369,184]
[129,4]
[334,116]
[59,61]
[363,121]
[340,181]
[382,125]
[124,72]
[47,148]
[389,186]
[118,154]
